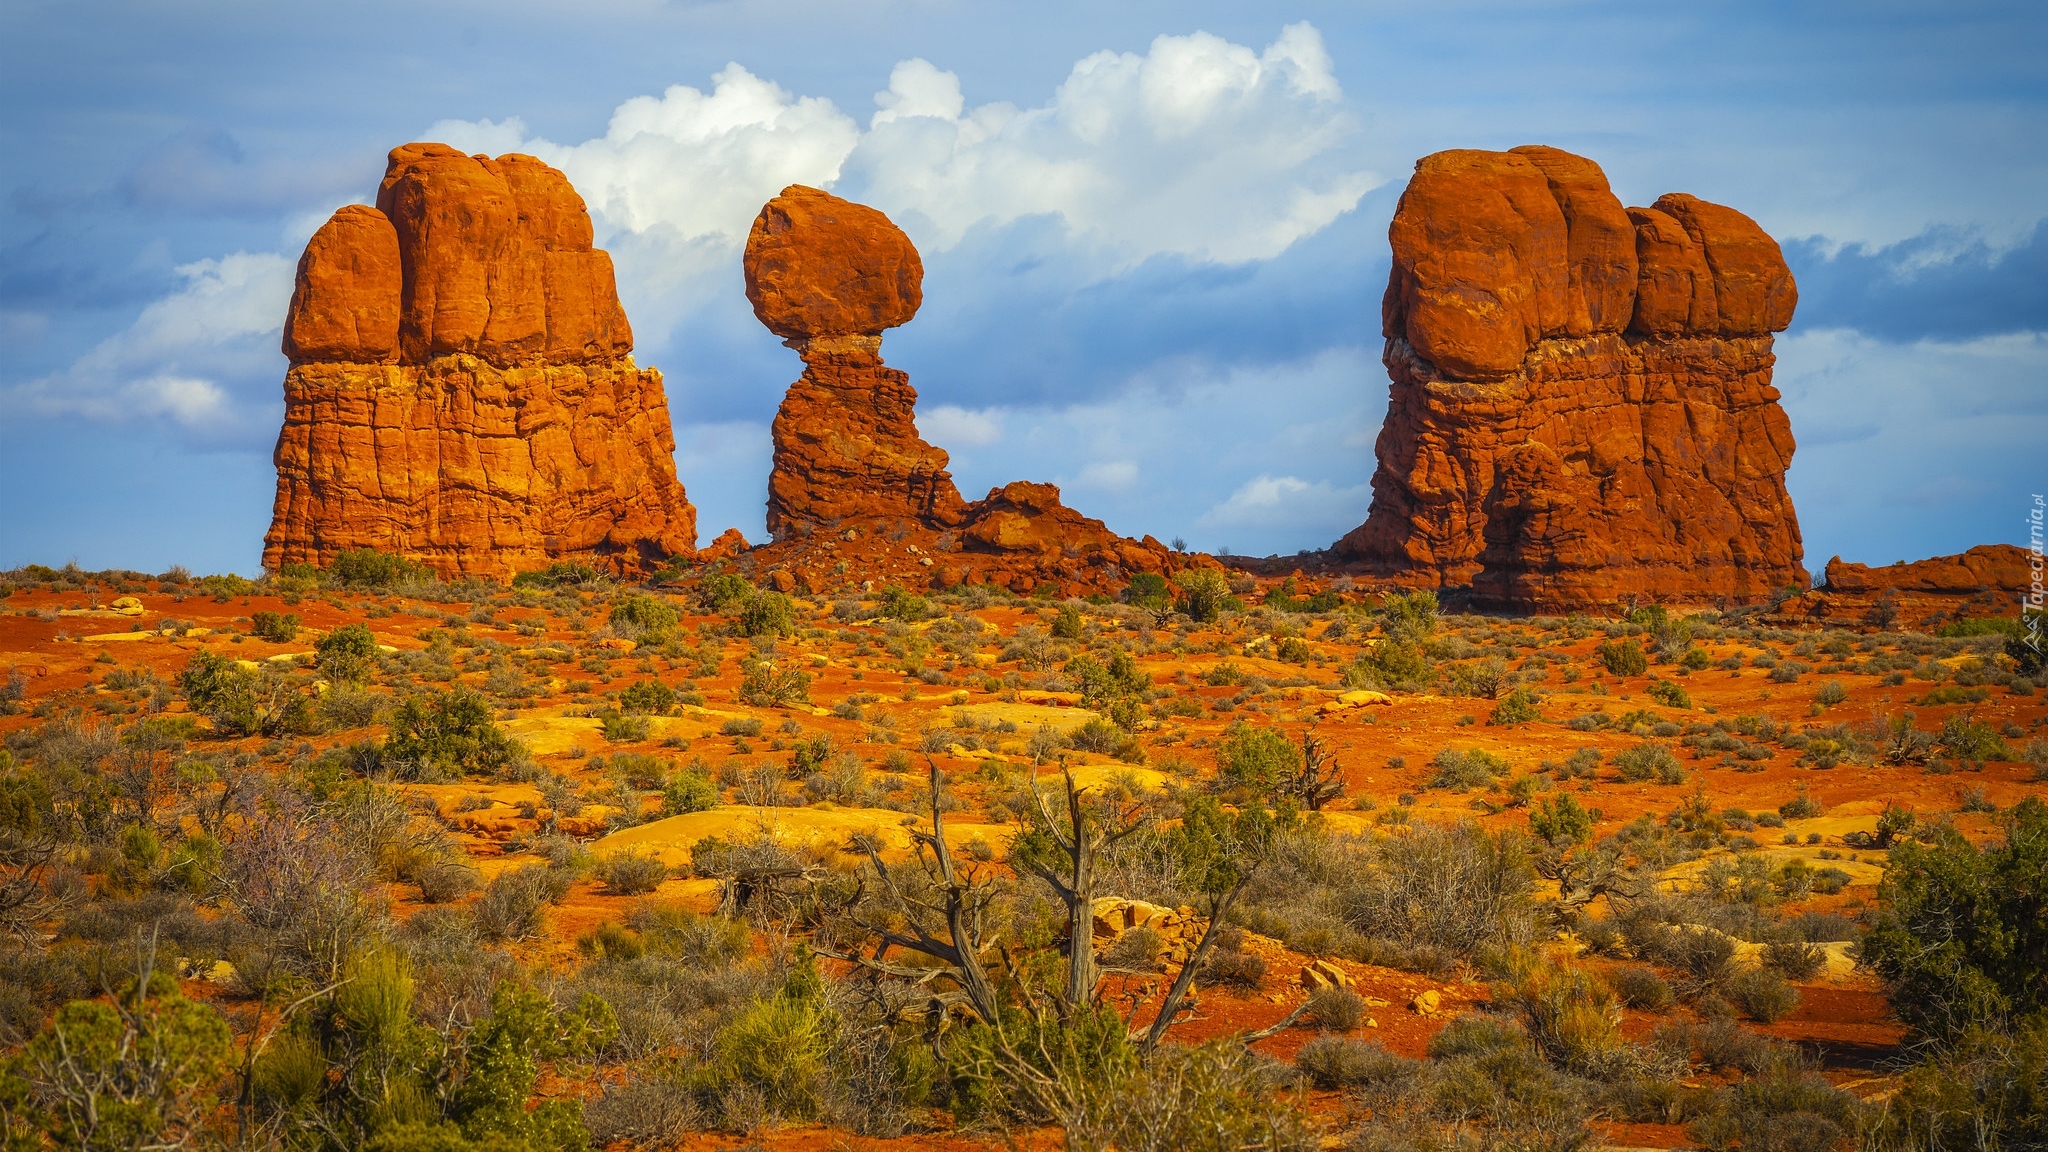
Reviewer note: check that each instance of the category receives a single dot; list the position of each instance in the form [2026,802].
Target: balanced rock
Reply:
[461,389]
[1582,407]
[852,479]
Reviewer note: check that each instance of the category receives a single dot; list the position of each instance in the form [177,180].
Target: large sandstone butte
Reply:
[461,389]
[1582,409]
[852,480]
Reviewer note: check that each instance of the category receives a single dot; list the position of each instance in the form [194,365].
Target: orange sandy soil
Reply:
[1843,1020]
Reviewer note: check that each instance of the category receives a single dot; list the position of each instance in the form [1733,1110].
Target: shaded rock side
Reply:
[852,480]
[462,390]
[1581,407]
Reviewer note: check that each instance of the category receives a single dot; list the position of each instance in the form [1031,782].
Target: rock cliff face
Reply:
[1582,407]
[461,388]
[852,480]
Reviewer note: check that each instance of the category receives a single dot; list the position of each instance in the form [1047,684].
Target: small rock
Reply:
[1426,1003]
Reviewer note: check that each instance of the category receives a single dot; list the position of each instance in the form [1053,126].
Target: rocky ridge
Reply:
[462,390]
[1581,408]
[853,485]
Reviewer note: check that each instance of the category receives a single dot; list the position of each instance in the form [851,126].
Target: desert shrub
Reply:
[276,627]
[1982,1091]
[1641,988]
[1334,1062]
[1670,694]
[559,573]
[1624,658]
[369,568]
[1148,590]
[649,696]
[1956,935]
[1966,738]
[765,686]
[1205,594]
[689,790]
[1069,624]
[1788,672]
[1799,807]
[1240,970]
[448,734]
[1762,994]
[1254,758]
[781,1047]
[630,874]
[1649,761]
[1339,1009]
[766,614]
[643,618]
[646,1111]
[443,881]
[1517,707]
[346,654]
[1794,959]
[246,701]
[1571,1017]
[1831,694]
[1215,1096]
[1784,1109]
[1461,771]
[1561,820]
[345,706]
[136,1072]
[511,907]
[1452,888]
[741,726]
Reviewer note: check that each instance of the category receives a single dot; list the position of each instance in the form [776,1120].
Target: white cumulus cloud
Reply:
[186,358]
[948,425]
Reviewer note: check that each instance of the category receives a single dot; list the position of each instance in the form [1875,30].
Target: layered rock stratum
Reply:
[1581,409]
[852,480]
[462,390]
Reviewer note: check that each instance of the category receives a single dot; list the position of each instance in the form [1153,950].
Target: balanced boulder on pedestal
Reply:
[852,479]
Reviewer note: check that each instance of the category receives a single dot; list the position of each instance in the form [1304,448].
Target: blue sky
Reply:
[1154,233]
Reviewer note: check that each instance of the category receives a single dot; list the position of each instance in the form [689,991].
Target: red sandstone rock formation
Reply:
[461,390]
[1985,568]
[1582,407]
[852,479]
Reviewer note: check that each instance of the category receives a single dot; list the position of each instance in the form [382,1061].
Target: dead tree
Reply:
[1072,879]
[1317,783]
[958,899]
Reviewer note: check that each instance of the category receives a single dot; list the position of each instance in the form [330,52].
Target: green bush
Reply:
[276,627]
[623,727]
[1624,658]
[1148,590]
[136,1073]
[688,791]
[1205,594]
[765,686]
[1966,738]
[1641,988]
[782,1047]
[1255,759]
[1670,694]
[369,568]
[1649,761]
[246,701]
[557,574]
[347,654]
[1518,707]
[1959,932]
[1762,994]
[1338,1009]
[1069,624]
[447,735]
[630,874]
[1561,820]
[900,604]
[1461,771]
[647,619]
[1783,1109]
[1333,1062]
[767,614]
[1984,1090]
[1831,694]
[649,696]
